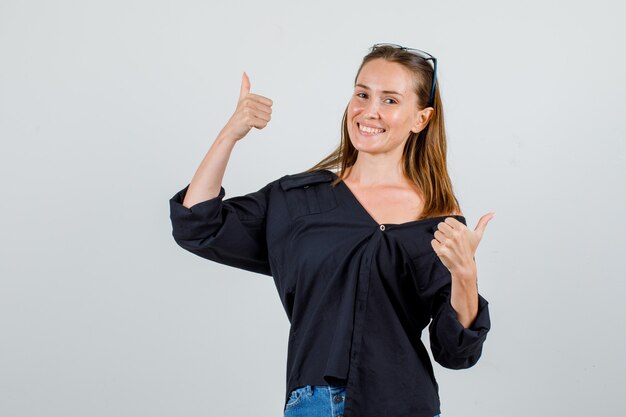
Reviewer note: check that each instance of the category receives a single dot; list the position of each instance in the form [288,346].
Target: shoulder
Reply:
[456,214]
[303,179]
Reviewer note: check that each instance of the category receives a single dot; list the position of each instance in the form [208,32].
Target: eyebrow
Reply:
[384,91]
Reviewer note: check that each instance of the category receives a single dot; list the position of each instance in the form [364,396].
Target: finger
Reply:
[266,111]
[255,119]
[453,223]
[259,123]
[446,227]
[245,86]
[256,106]
[249,112]
[482,222]
[264,117]
[261,99]
[436,246]
[440,237]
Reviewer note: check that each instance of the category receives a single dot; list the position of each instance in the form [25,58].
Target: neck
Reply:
[379,169]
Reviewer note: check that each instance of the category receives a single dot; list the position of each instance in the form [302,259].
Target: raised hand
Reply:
[252,110]
[456,245]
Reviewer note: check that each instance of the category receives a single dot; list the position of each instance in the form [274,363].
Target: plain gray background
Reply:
[107,108]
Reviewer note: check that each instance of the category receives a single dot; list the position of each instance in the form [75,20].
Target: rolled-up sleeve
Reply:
[228,231]
[454,346]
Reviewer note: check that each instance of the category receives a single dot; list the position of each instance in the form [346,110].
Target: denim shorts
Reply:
[317,401]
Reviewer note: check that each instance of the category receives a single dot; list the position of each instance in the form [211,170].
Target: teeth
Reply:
[370,130]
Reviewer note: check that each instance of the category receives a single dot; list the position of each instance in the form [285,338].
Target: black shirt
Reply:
[357,293]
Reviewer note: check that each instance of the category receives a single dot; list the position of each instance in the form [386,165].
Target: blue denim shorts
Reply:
[317,401]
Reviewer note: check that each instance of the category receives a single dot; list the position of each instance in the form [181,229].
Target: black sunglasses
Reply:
[422,54]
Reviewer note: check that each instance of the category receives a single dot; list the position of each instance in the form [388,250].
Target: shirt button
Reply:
[382,227]
[338,398]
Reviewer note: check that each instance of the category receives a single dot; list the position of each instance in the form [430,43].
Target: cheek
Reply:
[354,108]
[396,119]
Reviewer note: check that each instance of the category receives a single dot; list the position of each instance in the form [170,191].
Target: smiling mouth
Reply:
[369,131]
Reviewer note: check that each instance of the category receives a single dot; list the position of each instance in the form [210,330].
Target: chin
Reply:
[367,149]
[358,142]
[365,144]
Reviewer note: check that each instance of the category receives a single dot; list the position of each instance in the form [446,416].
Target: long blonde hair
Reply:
[424,154]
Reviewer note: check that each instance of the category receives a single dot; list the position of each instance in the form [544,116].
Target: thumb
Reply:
[245,86]
[482,223]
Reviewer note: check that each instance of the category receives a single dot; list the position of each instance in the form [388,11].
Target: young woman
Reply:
[366,248]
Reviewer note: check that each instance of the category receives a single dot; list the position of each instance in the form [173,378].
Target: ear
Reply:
[423,116]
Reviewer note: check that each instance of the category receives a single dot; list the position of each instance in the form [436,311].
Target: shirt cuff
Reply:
[188,221]
[455,338]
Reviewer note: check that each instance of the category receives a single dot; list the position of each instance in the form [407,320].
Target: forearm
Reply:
[207,180]
[464,296]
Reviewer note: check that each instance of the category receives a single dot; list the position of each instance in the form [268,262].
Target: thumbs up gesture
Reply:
[252,111]
[456,245]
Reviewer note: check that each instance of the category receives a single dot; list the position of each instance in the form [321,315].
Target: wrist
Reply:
[226,136]
[467,273]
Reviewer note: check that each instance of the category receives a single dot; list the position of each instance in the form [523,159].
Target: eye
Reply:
[361,95]
[394,101]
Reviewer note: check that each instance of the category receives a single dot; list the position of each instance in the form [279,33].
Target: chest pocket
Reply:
[308,193]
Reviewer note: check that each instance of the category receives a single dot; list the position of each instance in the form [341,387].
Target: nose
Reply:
[371,109]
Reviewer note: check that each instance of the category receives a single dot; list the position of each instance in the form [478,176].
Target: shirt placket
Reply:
[365,274]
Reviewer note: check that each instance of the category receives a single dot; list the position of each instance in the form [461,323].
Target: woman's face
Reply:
[383,109]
